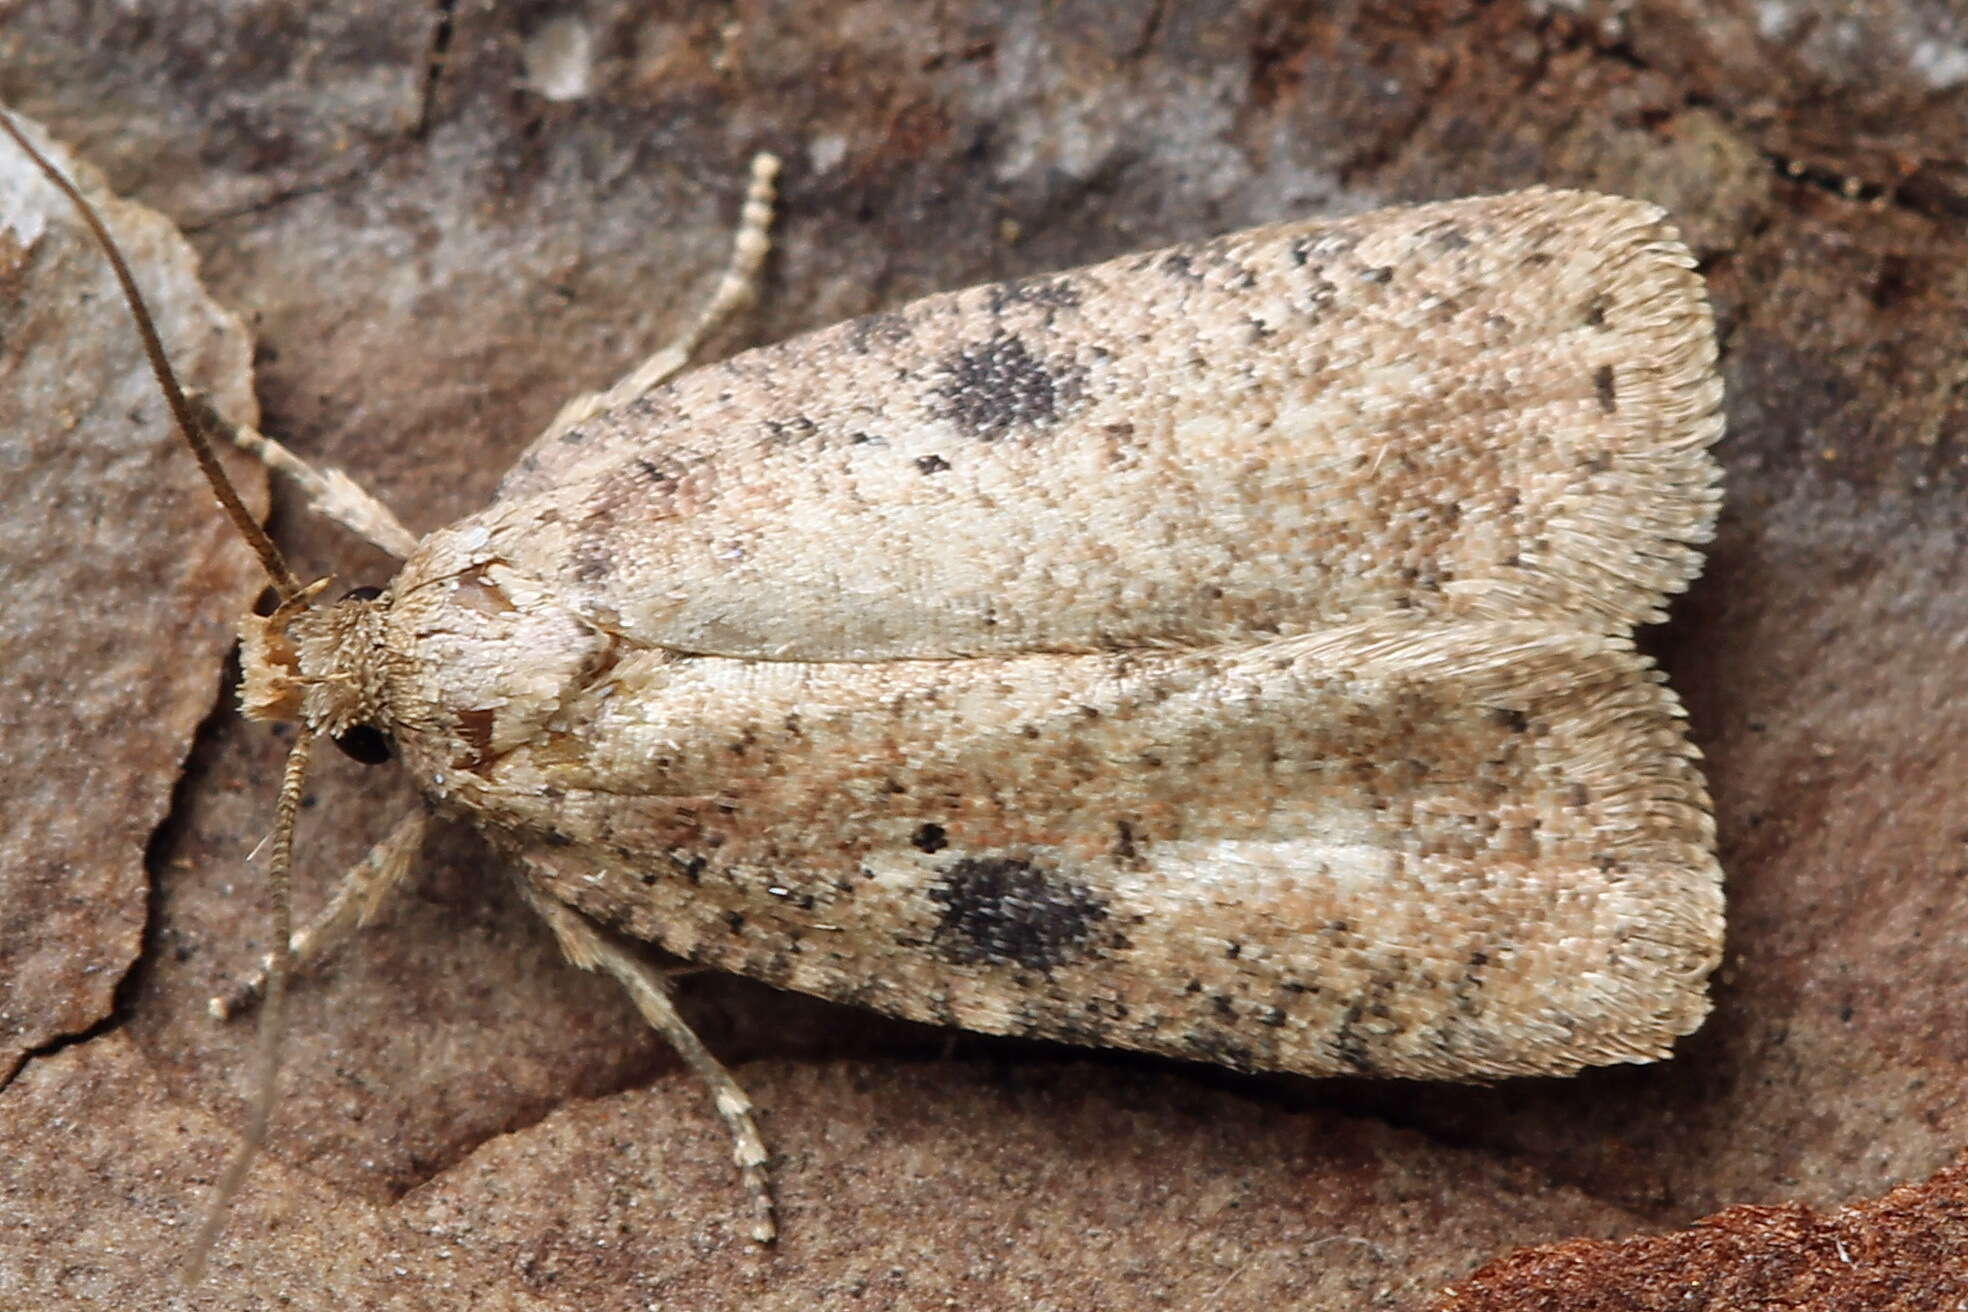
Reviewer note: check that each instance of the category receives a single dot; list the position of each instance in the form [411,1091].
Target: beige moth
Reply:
[1224,652]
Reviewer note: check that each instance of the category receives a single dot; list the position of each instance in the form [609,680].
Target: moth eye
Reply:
[363,593]
[365,743]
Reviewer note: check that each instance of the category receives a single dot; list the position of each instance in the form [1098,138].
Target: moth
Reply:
[1222,652]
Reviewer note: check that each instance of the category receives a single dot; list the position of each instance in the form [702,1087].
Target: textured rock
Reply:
[424,300]
[117,573]
[1905,1252]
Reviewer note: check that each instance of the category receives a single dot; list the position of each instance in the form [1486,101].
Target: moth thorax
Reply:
[325,667]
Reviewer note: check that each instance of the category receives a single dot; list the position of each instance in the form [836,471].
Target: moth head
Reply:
[321,666]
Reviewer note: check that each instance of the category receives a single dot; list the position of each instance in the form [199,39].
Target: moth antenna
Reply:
[273,1014]
[256,537]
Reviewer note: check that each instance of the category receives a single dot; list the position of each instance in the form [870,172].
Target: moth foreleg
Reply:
[735,290]
[354,904]
[587,947]
[329,491]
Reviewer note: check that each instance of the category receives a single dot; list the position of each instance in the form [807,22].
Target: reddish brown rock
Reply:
[1905,1252]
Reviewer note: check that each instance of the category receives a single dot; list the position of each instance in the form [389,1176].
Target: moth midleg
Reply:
[361,891]
[587,947]
[736,288]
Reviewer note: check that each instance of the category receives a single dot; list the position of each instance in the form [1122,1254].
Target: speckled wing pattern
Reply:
[1222,652]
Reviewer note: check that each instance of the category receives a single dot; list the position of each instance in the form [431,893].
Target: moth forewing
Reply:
[1492,407]
[1389,848]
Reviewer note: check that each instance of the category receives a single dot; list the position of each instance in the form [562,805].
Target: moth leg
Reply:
[354,905]
[588,948]
[735,290]
[330,492]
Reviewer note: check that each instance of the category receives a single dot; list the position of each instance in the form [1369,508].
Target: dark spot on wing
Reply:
[873,334]
[1106,1008]
[930,838]
[1349,1044]
[1219,1047]
[1180,264]
[1469,989]
[1353,1042]
[1318,248]
[1318,291]
[1511,719]
[788,431]
[1448,237]
[1602,383]
[931,464]
[661,485]
[1001,911]
[1052,293]
[995,387]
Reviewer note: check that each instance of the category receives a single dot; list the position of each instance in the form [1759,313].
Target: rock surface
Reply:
[440,223]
